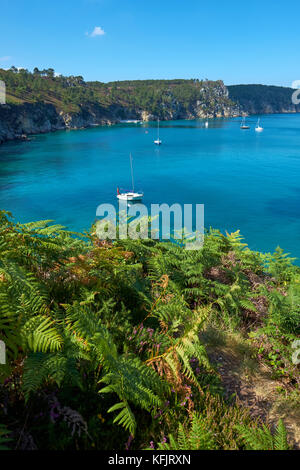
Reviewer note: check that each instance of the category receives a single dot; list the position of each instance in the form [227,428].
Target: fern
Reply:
[262,438]
[115,328]
[196,437]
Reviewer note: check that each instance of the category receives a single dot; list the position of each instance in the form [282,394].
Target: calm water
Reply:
[246,180]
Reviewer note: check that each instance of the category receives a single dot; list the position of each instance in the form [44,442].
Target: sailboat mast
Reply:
[132,180]
[157,129]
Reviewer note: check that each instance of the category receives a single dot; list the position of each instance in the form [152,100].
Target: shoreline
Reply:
[25,136]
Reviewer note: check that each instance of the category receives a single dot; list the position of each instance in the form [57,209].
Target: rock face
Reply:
[18,121]
[213,101]
[147,100]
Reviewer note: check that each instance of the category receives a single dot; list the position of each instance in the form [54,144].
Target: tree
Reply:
[50,73]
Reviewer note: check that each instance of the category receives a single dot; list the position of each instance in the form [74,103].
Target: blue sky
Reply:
[236,41]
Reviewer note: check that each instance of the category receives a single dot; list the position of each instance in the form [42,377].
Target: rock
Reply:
[145,116]
[32,118]
[17,121]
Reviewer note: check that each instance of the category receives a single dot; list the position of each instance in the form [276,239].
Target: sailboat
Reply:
[244,125]
[206,124]
[258,128]
[130,195]
[158,141]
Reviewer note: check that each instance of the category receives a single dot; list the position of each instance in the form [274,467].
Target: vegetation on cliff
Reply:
[41,101]
[161,98]
[263,99]
[106,342]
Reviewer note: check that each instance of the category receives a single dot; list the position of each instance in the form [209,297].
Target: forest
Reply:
[154,96]
[261,99]
[166,99]
[138,344]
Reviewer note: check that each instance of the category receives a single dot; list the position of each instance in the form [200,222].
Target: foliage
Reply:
[157,97]
[259,99]
[199,435]
[103,338]
[261,438]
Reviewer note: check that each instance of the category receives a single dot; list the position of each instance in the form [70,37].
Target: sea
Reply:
[247,181]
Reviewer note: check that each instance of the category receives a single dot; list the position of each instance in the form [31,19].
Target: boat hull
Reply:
[130,196]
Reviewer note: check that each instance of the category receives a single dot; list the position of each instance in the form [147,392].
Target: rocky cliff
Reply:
[42,102]
[19,121]
[170,101]
[263,99]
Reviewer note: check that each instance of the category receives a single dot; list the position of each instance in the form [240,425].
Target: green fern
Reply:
[261,438]
[195,437]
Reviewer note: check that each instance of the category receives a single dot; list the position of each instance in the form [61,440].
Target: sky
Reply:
[235,41]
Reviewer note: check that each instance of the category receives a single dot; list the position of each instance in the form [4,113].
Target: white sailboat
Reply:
[243,124]
[158,141]
[258,128]
[206,124]
[130,195]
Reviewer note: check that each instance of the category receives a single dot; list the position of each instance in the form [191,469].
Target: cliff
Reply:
[263,99]
[41,103]
[18,121]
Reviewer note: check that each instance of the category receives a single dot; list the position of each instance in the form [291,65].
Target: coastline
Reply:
[17,123]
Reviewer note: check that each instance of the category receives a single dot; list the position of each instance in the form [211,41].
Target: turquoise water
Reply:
[246,180]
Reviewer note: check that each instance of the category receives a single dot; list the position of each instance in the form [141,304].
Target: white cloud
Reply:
[5,58]
[97,31]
